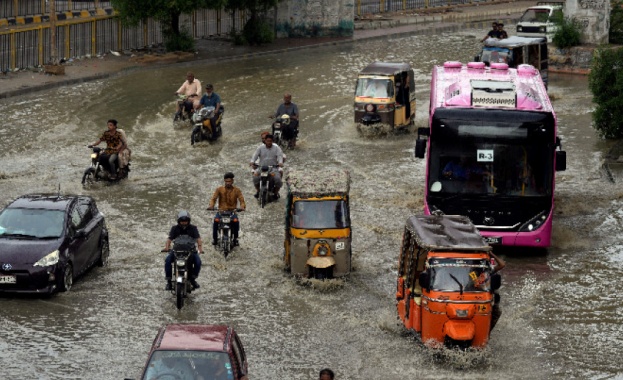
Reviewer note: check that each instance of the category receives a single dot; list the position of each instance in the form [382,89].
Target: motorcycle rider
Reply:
[211,99]
[290,130]
[228,197]
[191,89]
[114,145]
[183,227]
[268,154]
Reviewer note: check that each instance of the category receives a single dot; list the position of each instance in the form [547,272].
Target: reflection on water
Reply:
[561,318]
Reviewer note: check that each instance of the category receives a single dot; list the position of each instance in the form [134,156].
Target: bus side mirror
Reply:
[424,280]
[561,160]
[496,281]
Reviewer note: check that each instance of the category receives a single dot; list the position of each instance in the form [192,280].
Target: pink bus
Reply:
[492,150]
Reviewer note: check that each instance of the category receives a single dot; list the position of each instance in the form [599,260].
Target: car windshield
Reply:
[320,214]
[188,365]
[455,275]
[379,88]
[34,223]
[535,15]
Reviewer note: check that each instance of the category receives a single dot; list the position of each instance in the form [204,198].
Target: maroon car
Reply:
[196,352]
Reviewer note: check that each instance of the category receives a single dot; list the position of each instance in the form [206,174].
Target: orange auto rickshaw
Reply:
[445,291]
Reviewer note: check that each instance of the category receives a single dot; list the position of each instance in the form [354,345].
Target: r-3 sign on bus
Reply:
[492,151]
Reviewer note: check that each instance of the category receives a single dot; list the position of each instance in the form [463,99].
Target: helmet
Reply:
[183,216]
[285,119]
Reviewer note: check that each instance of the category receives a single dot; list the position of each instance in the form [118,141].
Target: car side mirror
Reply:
[420,148]
[561,160]
[496,281]
[424,280]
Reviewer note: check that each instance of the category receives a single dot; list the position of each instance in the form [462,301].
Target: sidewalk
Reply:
[368,27]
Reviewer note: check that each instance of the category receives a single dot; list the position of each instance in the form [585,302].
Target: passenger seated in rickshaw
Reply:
[403,95]
[376,88]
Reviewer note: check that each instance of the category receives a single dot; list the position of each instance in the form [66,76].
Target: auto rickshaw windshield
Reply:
[320,214]
[380,88]
[464,275]
[493,54]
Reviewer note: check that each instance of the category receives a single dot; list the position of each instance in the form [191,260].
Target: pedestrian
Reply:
[493,33]
[326,374]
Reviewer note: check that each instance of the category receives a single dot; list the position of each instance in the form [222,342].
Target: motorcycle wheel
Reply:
[263,197]
[179,293]
[195,137]
[225,247]
[87,175]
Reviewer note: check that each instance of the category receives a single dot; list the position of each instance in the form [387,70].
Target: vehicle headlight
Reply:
[323,251]
[49,259]
[181,263]
[196,117]
[535,223]
[93,155]
[519,29]
[542,29]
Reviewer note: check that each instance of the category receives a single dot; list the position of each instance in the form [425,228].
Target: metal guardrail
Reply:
[363,7]
[28,44]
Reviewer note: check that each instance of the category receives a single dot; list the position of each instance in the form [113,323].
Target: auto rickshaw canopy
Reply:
[446,233]
[385,68]
[514,41]
[311,183]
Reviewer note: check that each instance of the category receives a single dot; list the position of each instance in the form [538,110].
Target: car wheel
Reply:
[104,254]
[67,279]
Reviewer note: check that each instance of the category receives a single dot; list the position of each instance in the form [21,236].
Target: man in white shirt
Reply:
[192,91]
[269,154]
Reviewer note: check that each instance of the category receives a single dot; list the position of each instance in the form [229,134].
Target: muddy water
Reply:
[562,313]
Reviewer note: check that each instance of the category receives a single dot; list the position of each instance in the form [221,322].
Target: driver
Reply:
[268,154]
[191,89]
[114,145]
[228,197]
[211,99]
[183,227]
[169,368]
[290,130]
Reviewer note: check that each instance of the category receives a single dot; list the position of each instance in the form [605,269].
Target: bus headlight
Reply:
[535,222]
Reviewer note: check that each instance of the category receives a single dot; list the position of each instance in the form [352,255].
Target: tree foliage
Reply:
[569,33]
[606,83]
[257,30]
[616,22]
[168,12]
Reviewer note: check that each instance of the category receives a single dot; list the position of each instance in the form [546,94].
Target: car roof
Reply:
[193,337]
[43,201]
[385,68]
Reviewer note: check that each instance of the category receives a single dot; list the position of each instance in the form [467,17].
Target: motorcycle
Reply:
[99,169]
[278,129]
[267,184]
[203,125]
[182,115]
[183,248]
[225,239]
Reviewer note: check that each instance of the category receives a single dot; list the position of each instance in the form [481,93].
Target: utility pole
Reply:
[53,48]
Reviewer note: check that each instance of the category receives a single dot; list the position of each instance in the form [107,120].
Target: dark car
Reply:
[48,240]
[195,351]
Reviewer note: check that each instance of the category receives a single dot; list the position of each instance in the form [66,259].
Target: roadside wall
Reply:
[314,18]
[594,15]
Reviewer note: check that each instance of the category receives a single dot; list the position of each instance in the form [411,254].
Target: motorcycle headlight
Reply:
[49,259]
[534,223]
[93,155]
[181,263]
[196,117]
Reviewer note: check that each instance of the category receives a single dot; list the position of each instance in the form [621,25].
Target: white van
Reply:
[538,21]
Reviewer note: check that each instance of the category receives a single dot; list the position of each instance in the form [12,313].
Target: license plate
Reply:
[226,220]
[8,279]
[493,240]
[264,174]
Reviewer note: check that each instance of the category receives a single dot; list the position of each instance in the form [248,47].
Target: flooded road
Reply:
[563,315]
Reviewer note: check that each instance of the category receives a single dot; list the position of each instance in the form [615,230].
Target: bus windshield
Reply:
[320,214]
[451,275]
[509,157]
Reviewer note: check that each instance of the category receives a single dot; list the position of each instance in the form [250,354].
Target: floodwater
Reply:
[563,315]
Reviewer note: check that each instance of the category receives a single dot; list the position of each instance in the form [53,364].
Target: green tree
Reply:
[168,12]
[256,30]
[569,33]
[606,83]
[616,22]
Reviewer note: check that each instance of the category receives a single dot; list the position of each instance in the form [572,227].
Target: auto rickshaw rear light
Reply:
[217,220]
[235,220]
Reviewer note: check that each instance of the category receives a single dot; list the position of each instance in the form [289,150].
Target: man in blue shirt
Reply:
[211,99]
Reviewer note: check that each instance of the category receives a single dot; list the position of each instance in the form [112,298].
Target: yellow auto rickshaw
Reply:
[317,229]
[385,95]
